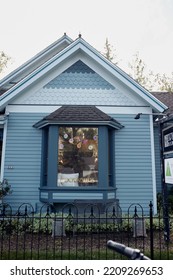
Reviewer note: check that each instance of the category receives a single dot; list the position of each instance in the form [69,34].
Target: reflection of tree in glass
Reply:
[75,145]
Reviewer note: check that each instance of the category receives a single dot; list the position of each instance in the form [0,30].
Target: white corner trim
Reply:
[153,165]
[3,150]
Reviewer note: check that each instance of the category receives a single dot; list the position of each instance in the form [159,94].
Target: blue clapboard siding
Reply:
[133,166]
[133,161]
[157,158]
[23,158]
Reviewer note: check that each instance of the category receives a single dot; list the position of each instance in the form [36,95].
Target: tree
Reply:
[164,83]
[148,79]
[3,60]
[109,52]
[138,71]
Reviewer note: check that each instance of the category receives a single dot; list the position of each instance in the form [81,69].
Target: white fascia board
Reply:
[125,110]
[34,59]
[51,108]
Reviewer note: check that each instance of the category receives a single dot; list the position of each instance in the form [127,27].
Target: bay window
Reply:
[78,155]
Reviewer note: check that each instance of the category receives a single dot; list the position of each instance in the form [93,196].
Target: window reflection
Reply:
[77,156]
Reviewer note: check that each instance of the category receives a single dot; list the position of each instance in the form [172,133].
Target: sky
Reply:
[131,26]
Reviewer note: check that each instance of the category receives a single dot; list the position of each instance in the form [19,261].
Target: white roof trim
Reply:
[34,59]
[80,44]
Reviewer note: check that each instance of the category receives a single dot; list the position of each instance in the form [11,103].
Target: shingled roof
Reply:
[75,114]
[166,98]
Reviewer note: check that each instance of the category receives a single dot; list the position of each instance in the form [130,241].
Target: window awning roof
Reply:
[78,115]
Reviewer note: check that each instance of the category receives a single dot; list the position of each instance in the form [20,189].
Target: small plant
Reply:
[5,188]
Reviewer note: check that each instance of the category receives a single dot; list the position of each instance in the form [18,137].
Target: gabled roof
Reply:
[79,46]
[32,64]
[83,114]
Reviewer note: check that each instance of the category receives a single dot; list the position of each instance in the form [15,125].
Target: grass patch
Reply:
[65,255]
[78,255]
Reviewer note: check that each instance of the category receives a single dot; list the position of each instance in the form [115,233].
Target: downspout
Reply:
[153,165]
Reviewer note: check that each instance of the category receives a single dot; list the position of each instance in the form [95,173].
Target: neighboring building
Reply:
[70,133]
[165,126]
[167,99]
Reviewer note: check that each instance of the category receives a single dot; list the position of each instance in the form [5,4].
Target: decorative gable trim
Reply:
[80,45]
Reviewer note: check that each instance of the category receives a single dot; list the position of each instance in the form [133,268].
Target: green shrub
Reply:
[43,224]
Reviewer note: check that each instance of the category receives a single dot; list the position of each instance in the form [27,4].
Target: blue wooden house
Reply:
[68,131]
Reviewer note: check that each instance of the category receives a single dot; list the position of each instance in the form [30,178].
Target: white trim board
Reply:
[49,109]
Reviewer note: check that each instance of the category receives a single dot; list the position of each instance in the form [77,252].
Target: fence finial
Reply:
[135,215]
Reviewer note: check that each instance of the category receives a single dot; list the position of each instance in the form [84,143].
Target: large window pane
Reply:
[78,156]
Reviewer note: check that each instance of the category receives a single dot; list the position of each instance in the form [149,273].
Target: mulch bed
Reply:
[80,241]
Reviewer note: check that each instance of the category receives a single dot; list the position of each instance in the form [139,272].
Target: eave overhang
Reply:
[112,124]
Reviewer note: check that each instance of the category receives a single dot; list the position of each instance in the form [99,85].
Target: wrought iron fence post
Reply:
[151,232]
[166,222]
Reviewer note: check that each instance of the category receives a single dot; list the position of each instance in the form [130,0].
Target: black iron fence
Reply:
[76,233]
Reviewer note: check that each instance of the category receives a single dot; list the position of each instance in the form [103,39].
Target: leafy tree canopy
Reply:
[139,72]
[151,81]
[110,52]
[3,61]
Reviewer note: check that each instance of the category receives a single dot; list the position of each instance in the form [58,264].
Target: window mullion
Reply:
[103,157]
[52,157]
